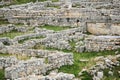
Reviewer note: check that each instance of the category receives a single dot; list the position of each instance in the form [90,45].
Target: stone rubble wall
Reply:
[6,62]
[4,29]
[38,66]
[37,33]
[25,68]
[10,27]
[80,46]
[3,2]
[60,40]
[53,76]
[100,43]
[60,59]
[33,14]
[102,63]
[25,52]
[6,41]
[17,69]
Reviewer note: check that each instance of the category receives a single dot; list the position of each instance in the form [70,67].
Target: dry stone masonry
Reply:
[100,43]
[92,25]
[102,63]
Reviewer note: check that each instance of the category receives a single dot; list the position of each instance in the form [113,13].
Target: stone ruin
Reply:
[40,13]
[102,63]
[93,27]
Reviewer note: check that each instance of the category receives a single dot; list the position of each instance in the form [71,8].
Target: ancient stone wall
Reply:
[103,29]
[101,43]
[55,76]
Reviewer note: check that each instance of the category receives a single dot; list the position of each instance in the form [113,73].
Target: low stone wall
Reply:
[60,59]
[38,32]
[25,68]
[100,43]
[48,60]
[38,66]
[102,63]
[6,41]
[60,40]
[11,27]
[7,28]
[8,61]
[52,76]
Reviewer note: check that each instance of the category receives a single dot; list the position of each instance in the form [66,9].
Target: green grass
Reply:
[26,1]
[2,74]
[3,55]
[52,6]
[116,75]
[12,34]
[55,28]
[3,21]
[55,0]
[78,66]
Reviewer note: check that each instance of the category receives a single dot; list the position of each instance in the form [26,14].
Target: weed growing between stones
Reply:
[11,34]
[78,66]
[55,28]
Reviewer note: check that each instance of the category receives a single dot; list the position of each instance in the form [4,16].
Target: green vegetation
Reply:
[24,1]
[115,76]
[20,57]
[2,74]
[78,66]
[86,76]
[58,7]
[3,21]
[12,34]
[55,0]
[46,60]
[55,28]
[3,55]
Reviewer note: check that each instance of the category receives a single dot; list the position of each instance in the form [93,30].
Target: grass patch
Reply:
[26,1]
[52,6]
[4,55]
[2,76]
[55,0]
[78,66]
[55,28]
[12,34]
[3,21]
[86,76]
[19,57]
[116,75]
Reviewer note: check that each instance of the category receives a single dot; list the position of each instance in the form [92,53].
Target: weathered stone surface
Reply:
[55,76]
[102,29]
[109,63]
[8,61]
[100,43]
